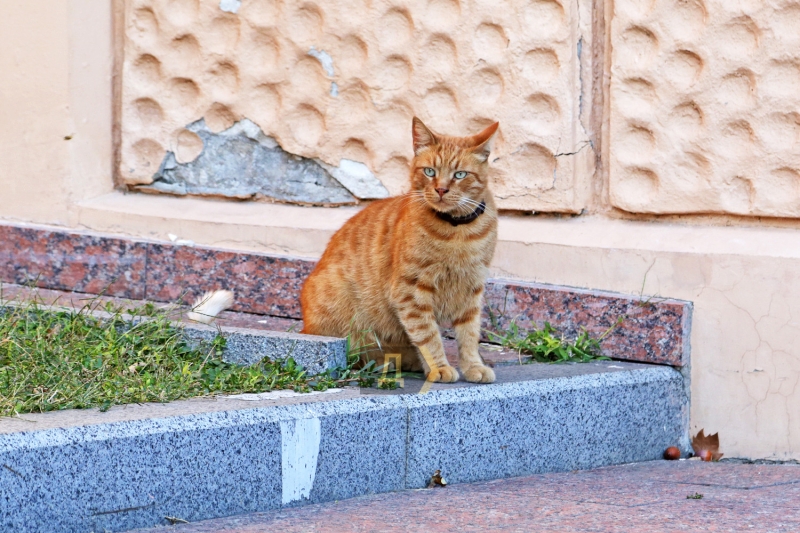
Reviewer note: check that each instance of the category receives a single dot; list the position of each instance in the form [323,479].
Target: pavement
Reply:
[661,496]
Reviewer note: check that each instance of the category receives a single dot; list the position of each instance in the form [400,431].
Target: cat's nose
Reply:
[441,192]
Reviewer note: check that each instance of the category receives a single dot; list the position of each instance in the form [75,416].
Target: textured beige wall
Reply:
[457,65]
[741,273]
[704,107]
[745,286]
[55,107]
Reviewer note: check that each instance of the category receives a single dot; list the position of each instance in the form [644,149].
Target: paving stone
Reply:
[133,474]
[84,470]
[554,503]
[109,477]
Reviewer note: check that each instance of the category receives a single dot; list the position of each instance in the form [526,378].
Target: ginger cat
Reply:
[404,265]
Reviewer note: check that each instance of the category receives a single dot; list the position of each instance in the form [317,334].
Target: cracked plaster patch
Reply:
[326,61]
[241,162]
[358,179]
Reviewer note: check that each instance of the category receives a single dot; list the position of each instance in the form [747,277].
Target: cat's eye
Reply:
[460,175]
[429,172]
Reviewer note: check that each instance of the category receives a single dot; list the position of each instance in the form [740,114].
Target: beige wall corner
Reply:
[745,285]
[91,119]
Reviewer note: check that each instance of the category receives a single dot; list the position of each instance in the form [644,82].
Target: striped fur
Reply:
[398,271]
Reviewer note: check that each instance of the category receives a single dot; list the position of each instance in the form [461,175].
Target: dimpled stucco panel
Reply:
[336,79]
[705,102]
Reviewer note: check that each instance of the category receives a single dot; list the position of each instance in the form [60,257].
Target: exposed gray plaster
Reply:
[358,179]
[242,162]
[326,61]
[324,58]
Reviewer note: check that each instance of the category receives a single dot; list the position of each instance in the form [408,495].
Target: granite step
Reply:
[250,337]
[135,465]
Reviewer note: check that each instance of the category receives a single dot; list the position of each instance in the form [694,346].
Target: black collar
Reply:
[465,219]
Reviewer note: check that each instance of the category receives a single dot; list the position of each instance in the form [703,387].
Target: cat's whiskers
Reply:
[464,204]
[417,198]
[464,209]
[467,199]
[469,203]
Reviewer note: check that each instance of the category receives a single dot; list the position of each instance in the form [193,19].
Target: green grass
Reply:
[53,360]
[546,345]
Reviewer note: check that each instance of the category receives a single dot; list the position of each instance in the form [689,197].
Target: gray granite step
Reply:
[248,345]
[81,471]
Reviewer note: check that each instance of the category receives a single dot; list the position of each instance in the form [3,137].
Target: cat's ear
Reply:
[482,142]
[423,137]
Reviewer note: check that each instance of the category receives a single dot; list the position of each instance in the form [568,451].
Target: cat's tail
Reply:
[208,306]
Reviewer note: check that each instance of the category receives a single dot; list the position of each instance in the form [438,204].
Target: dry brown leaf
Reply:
[437,480]
[706,447]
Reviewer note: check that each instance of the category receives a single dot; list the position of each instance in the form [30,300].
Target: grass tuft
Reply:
[546,345]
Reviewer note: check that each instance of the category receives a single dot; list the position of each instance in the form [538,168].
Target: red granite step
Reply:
[633,327]
[492,354]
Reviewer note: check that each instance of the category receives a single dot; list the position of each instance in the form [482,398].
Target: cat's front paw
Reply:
[479,374]
[443,374]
